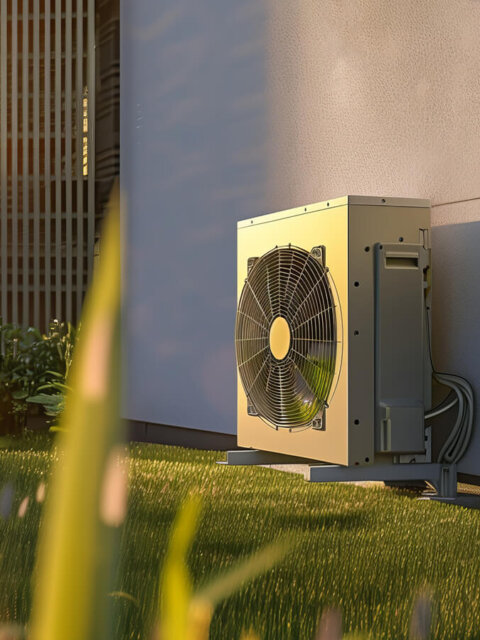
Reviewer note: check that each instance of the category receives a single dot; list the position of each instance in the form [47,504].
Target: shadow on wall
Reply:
[193,163]
[456,316]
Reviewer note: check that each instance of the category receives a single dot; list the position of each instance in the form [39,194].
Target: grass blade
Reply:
[233,580]
[421,621]
[176,586]
[205,600]
[75,553]
[330,627]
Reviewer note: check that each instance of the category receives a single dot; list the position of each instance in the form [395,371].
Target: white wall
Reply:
[235,109]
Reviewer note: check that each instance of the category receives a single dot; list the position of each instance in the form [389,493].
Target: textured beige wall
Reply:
[382,97]
[375,97]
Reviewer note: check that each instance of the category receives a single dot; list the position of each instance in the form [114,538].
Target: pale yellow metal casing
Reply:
[346,226]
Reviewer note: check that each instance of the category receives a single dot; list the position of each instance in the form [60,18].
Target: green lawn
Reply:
[364,550]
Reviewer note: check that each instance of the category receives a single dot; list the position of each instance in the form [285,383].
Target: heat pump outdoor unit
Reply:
[332,340]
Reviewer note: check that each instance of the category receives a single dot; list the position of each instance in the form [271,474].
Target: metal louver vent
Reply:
[286,336]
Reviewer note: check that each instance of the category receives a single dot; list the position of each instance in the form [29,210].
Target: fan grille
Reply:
[290,283]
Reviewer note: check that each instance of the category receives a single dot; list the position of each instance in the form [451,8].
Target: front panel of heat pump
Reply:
[346,227]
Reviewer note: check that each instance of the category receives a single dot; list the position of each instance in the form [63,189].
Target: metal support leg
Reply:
[443,477]
[447,485]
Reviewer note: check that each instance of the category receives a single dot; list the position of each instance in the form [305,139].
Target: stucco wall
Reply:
[232,111]
[378,97]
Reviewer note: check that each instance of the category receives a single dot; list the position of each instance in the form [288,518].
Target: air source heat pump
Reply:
[332,339]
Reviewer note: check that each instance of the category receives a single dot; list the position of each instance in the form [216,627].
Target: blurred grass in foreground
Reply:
[366,552]
[86,500]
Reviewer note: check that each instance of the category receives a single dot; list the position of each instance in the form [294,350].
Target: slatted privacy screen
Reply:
[47,158]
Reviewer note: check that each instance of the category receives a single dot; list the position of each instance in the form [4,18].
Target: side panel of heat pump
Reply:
[406,381]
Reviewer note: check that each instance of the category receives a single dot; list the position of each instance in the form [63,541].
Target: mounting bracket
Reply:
[442,476]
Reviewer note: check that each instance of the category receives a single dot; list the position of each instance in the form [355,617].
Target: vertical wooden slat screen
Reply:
[79,154]
[36,163]
[47,178]
[25,211]
[47,158]
[68,157]
[91,137]
[58,158]
[14,178]
[3,151]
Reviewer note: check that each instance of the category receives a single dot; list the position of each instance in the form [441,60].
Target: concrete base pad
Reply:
[302,469]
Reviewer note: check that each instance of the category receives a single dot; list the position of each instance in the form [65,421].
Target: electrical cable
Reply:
[456,444]
[442,408]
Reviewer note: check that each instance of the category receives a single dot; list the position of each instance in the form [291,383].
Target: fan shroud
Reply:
[290,384]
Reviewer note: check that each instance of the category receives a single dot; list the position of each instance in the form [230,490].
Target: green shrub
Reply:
[33,363]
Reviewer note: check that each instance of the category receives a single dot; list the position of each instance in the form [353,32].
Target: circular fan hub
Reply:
[280,338]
